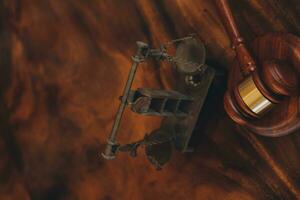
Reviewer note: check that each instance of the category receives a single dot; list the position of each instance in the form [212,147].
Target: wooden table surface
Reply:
[63,67]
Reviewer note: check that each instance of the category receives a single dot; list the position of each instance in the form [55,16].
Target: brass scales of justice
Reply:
[179,107]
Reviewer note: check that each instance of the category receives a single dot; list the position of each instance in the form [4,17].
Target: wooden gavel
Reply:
[257,86]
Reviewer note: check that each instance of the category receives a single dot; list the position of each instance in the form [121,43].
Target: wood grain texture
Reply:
[63,66]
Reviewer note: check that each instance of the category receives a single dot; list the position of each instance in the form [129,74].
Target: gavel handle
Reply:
[245,60]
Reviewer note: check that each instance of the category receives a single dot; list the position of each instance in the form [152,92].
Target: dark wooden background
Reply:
[63,65]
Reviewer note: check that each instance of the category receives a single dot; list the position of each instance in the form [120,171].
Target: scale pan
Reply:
[158,147]
[190,56]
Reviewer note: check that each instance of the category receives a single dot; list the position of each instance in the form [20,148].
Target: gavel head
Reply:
[260,91]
